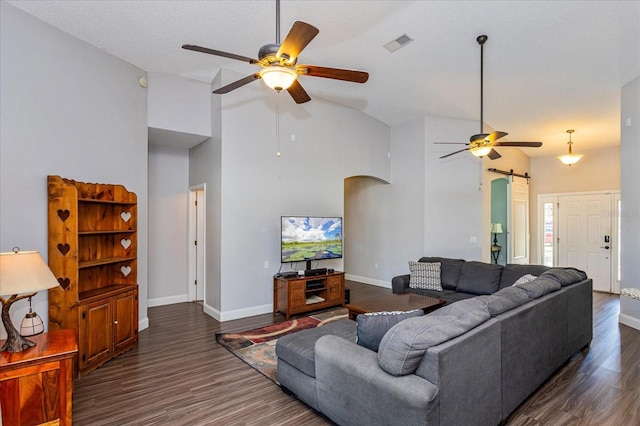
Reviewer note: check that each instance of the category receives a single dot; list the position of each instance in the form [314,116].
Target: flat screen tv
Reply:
[309,238]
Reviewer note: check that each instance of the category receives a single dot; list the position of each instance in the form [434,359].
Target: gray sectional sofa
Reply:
[471,362]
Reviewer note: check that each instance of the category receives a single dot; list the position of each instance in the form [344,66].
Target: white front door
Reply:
[584,236]
[518,228]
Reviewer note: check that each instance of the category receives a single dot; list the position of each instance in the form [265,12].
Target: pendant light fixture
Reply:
[570,158]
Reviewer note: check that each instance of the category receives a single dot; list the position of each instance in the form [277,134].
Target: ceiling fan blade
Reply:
[232,86]
[450,143]
[493,154]
[298,93]
[219,53]
[494,136]
[299,36]
[478,137]
[524,144]
[456,152]
[335,73]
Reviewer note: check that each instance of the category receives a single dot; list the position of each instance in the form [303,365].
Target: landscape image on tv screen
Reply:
[311,238]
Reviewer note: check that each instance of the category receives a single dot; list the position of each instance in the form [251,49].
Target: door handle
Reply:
[605,247]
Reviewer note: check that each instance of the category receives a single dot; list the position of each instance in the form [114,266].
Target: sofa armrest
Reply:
[468,371]
[350,384]
[400,284]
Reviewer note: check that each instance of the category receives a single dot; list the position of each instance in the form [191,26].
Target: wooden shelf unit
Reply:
[93,254]
[291,295]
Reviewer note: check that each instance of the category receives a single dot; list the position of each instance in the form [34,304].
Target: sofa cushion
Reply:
[449,270]
[524,279]
[449,296]
[512,272]
[297,349]
[565,276]
[370,327]
[479,278]
[505,300]
[402,348]
[539,287]
[424,275]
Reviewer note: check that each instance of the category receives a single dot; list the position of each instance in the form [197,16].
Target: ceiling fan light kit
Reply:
[570,158]
[278,78]
[483,144]
[481,151]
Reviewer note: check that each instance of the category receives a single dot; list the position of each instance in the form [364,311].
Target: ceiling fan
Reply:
[279,62]
[484,143]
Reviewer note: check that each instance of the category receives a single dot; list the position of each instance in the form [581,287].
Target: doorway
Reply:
[510,209]
[582,230]
[197,243]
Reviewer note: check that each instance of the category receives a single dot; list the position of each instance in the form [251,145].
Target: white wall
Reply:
[630,196]
[332,142]
[69,109]
[205,167]
[433,206]
[168,209]
[453,192]
[180,104]
[384,223]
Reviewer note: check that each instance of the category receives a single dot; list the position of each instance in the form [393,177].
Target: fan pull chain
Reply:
[278,122]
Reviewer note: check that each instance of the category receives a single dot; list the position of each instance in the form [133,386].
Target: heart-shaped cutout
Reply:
[125,216]
[64,282]
[126,270]
[63,214]
[125,243]
[64,248]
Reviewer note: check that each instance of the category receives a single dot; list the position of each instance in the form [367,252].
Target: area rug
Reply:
[257,347]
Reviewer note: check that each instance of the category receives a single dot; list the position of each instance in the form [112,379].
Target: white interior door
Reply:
[518,232]
[199,245]
[584,236]
[197,226]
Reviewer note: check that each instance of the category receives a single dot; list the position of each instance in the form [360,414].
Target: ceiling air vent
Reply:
[399,42]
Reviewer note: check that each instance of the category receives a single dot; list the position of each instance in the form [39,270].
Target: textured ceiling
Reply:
[549,65]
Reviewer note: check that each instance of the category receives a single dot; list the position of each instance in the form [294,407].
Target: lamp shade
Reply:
[570,158]
[496,228]
[24,272]
[31,324]
[277,77]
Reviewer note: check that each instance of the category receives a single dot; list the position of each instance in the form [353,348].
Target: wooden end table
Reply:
[394,302]
[36,384]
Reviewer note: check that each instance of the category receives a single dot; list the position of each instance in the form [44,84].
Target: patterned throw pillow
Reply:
[525,279]
[425,275]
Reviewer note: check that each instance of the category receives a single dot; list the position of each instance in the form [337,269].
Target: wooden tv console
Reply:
[296,295]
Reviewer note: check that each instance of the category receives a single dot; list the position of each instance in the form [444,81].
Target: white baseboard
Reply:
[238,313]
[143,324]
[169,300]
[632,322]
[372,281]
[212,312]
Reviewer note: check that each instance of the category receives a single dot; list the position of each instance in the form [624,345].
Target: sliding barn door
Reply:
[518,233]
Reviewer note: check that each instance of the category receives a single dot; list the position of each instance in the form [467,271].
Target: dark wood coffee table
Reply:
[393,302]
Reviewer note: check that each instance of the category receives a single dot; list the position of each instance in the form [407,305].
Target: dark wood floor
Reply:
[179,375]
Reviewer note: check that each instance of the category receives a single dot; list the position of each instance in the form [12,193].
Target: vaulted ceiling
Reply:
[548,65]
